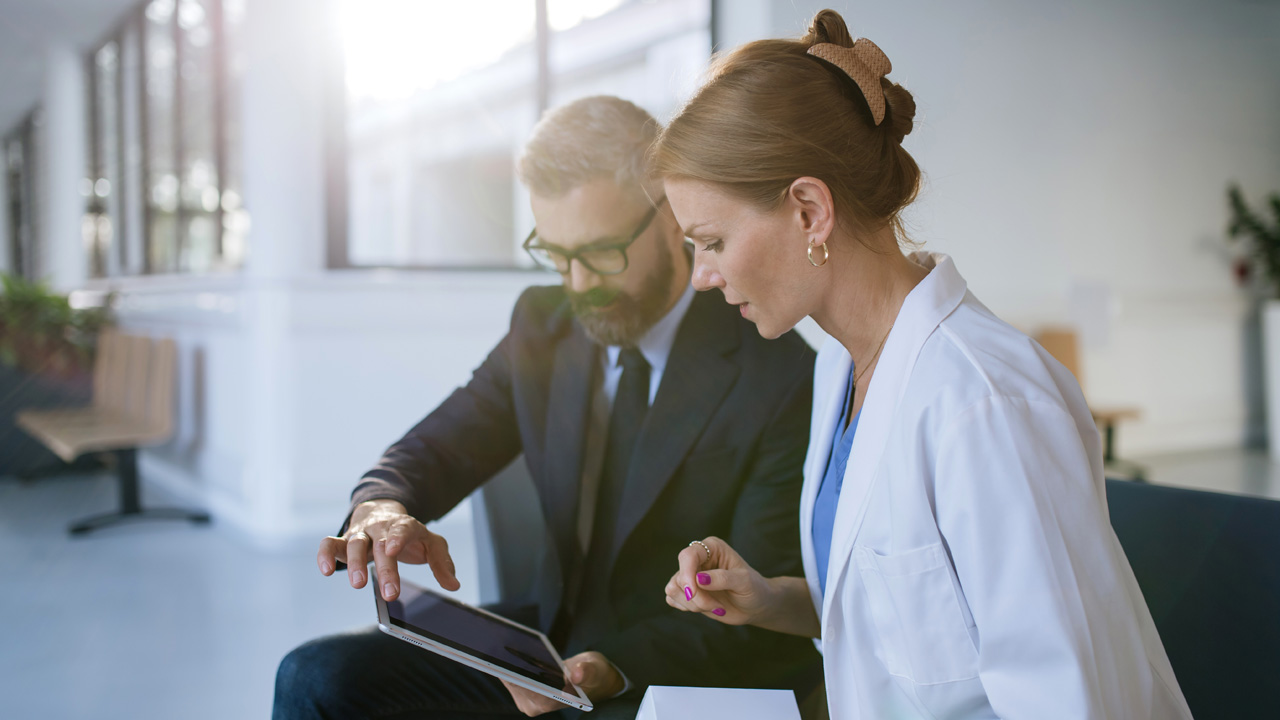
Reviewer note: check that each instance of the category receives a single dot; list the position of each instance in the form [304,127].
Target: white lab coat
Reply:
[974,572]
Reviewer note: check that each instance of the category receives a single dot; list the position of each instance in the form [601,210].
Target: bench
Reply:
[133,379]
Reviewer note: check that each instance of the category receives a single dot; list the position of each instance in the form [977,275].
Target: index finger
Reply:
[388,571]
[692,559]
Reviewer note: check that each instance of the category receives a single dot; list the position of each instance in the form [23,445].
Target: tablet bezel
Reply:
[580,701]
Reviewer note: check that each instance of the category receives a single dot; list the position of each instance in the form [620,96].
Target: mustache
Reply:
[594,298]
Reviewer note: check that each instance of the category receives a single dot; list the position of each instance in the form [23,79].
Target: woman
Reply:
[958,557]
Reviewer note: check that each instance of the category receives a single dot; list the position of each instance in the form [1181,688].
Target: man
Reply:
[648,416]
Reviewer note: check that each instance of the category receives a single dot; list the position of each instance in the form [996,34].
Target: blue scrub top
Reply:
[824,507]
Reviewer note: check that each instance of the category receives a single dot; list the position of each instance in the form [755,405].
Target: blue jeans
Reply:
[369,674]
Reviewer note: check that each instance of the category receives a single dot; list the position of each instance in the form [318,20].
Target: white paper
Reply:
[663,702]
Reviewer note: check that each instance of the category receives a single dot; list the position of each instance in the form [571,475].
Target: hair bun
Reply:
[828,27]
[902,109]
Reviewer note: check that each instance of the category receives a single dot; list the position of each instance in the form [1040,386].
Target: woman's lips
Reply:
[743,309]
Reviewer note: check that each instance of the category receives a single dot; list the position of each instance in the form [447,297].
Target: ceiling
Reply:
[28,28]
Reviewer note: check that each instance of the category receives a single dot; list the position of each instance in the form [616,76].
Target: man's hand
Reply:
[386,529]
[591,671]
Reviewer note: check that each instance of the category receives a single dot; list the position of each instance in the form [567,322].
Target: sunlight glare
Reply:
[395,48]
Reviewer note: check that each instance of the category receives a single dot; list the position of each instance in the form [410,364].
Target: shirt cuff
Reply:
[626,683]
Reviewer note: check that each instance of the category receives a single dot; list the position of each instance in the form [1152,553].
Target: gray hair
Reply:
[587,139]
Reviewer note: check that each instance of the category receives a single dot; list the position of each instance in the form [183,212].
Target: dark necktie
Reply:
[630,405]
[590,613]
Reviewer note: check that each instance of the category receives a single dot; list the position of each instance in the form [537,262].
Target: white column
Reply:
[284,188]
[61,157]
[283,120]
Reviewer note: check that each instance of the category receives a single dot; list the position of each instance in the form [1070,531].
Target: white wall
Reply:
[1077,157]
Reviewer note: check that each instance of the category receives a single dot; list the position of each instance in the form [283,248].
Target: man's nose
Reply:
[705,275]
[579,278]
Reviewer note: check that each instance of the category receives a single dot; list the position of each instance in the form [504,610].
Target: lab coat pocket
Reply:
[922,632]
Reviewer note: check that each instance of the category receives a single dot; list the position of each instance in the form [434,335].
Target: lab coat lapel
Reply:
[834,363]
[937,295]
[696,379]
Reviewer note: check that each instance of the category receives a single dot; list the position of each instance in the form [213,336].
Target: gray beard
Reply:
[629,318]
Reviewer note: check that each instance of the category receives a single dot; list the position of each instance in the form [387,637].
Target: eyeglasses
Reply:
[602,259]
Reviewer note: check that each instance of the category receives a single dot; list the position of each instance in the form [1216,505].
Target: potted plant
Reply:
[46,360]
[1257,267]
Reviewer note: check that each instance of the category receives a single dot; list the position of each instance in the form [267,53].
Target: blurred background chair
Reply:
[133,380]
[510,535]
[1208,567]
[1064,345]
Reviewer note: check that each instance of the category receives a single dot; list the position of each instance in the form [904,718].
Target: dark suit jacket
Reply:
[720,453]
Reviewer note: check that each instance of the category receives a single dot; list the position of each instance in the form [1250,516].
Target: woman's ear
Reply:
[809,200]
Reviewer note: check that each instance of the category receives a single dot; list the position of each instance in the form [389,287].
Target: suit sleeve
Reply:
[1019,506]
[452,451]
[671,648]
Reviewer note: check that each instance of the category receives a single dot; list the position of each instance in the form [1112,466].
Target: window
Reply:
[433,117]
[163,191]
[18,162]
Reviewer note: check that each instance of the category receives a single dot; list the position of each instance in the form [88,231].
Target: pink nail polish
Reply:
[688,593]
[704,579]
[718,611]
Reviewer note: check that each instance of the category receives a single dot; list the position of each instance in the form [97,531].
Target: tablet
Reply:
[491,644]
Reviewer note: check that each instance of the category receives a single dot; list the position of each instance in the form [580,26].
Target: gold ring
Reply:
[704,547]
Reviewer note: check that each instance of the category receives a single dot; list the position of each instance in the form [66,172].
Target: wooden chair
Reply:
[1064,346]
[133,380]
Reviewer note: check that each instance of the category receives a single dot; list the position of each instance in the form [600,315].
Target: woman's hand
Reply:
[714,580]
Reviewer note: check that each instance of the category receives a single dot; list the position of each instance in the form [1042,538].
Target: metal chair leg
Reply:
[131,509]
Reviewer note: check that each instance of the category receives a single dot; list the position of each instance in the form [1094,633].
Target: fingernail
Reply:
[718,611]
[688,593]
[358,577]
[704,579]
[388,590]
[326,568]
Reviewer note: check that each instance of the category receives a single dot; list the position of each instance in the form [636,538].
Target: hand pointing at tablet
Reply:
[385,529]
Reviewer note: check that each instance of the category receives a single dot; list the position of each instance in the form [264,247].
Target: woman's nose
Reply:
[705,276]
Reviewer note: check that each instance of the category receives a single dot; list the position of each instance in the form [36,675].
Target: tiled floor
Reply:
[169,621]
[160,620]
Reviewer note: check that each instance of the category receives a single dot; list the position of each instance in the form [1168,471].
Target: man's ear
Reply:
[811,205]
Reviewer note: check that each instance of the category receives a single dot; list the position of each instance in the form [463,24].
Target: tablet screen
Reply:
[463,628]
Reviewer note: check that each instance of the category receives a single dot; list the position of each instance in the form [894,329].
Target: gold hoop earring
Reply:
[825,254]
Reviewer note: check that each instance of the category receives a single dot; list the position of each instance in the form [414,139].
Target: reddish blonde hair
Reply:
[770,113]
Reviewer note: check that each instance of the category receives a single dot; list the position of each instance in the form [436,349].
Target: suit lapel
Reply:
[695,381]
[567,412]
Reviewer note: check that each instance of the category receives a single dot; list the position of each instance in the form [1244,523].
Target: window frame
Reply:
[337,178]
[136,18]
[24,224]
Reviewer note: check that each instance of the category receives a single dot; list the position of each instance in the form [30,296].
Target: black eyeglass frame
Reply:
[571,255]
